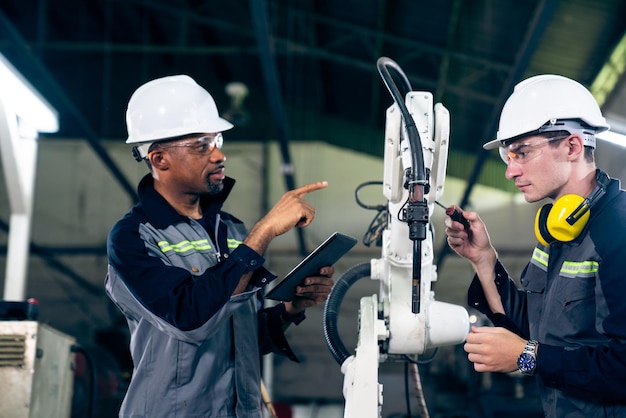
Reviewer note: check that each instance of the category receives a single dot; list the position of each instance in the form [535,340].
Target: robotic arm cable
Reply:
[416,214]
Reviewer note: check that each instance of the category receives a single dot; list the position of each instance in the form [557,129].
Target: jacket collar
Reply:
[161,214]
[613,189]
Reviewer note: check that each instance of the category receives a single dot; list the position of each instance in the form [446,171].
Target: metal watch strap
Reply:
[531,347]
[527,360]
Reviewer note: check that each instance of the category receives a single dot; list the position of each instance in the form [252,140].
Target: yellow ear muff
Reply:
[551,220]
[541,232]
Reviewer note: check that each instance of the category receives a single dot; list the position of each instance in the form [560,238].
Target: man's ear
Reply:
[158,159]
[576,146]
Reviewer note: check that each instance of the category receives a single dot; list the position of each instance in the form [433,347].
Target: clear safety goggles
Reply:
[203,145]
[523,152]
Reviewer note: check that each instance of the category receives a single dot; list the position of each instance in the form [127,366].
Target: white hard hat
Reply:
[542,103]
[169,107]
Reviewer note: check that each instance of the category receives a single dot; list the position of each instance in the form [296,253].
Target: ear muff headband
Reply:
[565,219]
[603,182]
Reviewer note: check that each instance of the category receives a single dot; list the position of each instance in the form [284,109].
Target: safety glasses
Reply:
[523,152]
[203,145]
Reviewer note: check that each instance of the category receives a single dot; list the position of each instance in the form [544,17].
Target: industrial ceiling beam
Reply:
[280,47]
[25,53]
[357,32]
[273,91]
[379,44]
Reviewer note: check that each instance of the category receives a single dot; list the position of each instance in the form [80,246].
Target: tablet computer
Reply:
[327,254]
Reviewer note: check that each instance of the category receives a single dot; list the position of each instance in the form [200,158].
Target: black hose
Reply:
[416,214]
[331,309]
[418,174]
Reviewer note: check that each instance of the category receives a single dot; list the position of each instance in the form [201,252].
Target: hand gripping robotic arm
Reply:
[403,319]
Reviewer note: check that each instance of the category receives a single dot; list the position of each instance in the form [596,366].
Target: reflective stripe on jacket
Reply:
[573,301]
[195,348]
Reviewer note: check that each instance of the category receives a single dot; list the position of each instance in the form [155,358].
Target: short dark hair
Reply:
[589,151]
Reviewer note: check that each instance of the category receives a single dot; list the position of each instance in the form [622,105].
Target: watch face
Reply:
[526,362]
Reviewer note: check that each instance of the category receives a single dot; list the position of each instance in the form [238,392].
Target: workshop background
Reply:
[298,79]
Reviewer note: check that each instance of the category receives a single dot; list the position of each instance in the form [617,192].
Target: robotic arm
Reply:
[404,318]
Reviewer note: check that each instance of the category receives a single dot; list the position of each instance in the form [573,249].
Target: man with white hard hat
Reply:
[189,276]
[567,325]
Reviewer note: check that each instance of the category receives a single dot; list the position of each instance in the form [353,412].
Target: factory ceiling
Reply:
[309,66]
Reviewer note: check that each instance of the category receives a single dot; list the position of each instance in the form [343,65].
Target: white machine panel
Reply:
[36,371]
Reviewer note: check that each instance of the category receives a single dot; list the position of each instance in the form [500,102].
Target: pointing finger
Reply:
[311,187]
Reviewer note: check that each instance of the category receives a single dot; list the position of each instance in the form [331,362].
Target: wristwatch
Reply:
[527,361]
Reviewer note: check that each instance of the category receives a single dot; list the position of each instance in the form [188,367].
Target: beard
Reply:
[215,188]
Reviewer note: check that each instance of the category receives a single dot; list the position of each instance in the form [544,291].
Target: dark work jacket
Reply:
[573,302]
[195,348]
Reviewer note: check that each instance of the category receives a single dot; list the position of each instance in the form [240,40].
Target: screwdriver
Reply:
[455,215]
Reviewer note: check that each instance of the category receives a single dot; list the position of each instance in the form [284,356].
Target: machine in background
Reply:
[36,365]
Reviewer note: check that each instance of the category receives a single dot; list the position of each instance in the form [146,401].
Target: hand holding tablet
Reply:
[326,254]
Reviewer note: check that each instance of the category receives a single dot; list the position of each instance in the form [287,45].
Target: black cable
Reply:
[418,173]
[358,200]
[379,223]
[416,214]
[93,392]
[376,228]
[407,397]
[421,362]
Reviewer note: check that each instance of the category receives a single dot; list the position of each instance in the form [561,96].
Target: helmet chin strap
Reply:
[141,151]
[136,154]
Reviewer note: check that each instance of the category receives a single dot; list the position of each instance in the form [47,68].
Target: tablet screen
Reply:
[326,254]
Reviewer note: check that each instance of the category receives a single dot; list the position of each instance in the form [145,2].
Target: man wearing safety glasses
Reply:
[567,325]
[189,276]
